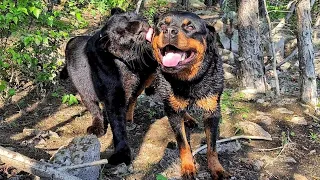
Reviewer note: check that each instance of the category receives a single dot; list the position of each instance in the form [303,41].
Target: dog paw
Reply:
[188,171]
[121,156]
[98,131]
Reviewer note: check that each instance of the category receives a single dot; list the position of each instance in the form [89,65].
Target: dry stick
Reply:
[138,6]
[288,58]
[232,139]
[273,50]
[271,149]
[32,166]
[95,163]
[278,154]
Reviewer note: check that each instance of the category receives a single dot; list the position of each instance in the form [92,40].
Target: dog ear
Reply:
[156,17]
[117,10]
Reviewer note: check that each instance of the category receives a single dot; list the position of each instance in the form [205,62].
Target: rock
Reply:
[312,152]
[228,147]
[80,150]
[228,76]
[40,137]
[257,165]
[289,159]
[251,128]
[263,119]
[284,111]
[299,177]
[260,101]
[299,120]
[197,4]
[119,170]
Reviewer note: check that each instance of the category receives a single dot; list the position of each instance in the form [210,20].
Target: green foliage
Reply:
[228,103]
[32,34]
[154,8]
[277,10]
[161,177]
[69,99]
[313,136]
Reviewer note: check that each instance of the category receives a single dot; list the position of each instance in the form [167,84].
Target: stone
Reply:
[299,177]
[257,165]
[299,120]
[284,111]
[197,4]
[80,150]
[251,128]
[289,159]
[312,152]
[265,119]
[225,148]
[260,101]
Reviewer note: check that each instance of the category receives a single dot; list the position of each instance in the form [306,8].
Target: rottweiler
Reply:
[109,70]
[190,75]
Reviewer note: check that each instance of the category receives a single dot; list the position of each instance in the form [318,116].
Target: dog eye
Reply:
[120,31]
[190,27]
[163,27]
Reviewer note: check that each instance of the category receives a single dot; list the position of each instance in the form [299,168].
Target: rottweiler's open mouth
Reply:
[171,56]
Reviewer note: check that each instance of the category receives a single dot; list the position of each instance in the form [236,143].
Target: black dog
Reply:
[112,68]
[190,74]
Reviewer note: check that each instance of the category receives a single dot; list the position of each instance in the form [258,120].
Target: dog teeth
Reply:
[183,56]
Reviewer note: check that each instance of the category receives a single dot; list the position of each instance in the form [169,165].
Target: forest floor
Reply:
[295,133]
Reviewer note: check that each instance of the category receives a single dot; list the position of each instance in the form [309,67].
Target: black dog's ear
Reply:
[211,29]
[156,18]
[117,10]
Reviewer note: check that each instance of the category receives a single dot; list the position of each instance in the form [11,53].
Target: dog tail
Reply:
[64,73]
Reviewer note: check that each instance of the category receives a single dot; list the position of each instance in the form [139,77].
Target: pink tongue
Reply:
[149,34]
[171,59]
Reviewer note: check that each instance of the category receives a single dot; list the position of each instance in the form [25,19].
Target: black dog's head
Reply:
[180,42]
[124,35]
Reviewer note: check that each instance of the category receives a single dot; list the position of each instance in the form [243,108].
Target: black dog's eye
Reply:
[189,27]
[120,31]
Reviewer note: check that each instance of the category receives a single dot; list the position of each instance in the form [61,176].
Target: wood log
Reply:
[40,169]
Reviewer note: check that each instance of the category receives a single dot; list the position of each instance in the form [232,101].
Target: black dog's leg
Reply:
[116,112]
[188,169]
[97,127]
[211,123]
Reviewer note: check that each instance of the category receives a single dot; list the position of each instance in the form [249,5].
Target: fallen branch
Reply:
[287,59]
[264,150]
[95,163]
[232,139]
[32,166]
[286,145]
[138,6]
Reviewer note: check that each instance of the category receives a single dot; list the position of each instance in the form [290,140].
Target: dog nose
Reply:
[171,32]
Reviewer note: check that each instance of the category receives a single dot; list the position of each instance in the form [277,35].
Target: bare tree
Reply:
[308,83]
[251,64]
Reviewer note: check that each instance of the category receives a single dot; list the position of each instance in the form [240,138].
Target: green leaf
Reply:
[24,10]
[36,12]
[15,20]
[11,92]
[72,100]
[65,98]
[55,94]
[3,85]
[78,16]
[161,177]
[38,40]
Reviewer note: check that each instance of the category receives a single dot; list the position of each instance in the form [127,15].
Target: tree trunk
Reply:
[251,64]
[308,83]
[265,15]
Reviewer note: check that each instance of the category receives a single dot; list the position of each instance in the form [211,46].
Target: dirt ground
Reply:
[297,146]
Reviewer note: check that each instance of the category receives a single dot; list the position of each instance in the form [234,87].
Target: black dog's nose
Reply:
[171,32]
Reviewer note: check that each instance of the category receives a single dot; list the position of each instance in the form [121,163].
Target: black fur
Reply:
[109,68]
[208,81]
